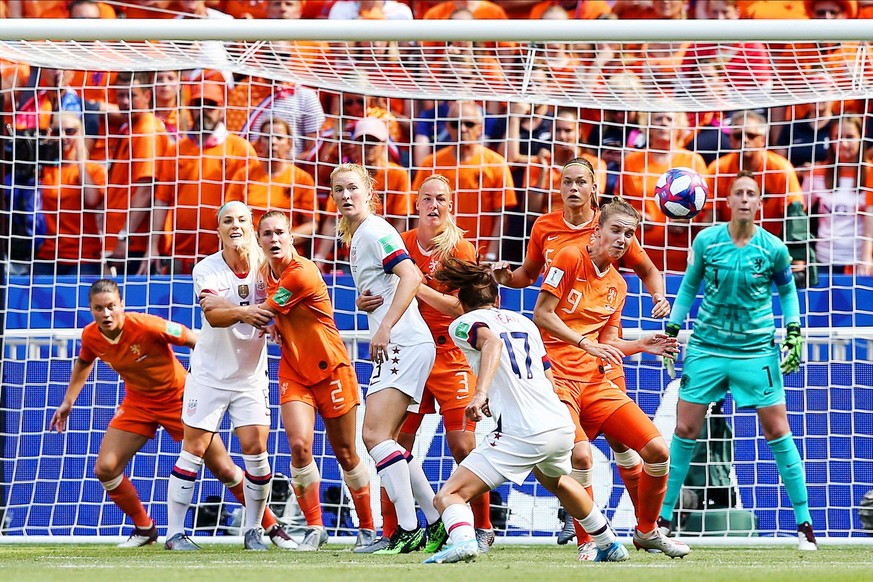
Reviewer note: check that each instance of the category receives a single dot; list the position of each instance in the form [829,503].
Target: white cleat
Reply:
[587,552]
[806,538]
[141,537]
[280,538]
[459,552]
[656,540]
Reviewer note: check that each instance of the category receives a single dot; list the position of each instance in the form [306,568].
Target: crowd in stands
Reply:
[132,167]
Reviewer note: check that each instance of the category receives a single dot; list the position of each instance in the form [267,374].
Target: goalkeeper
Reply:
[732,344]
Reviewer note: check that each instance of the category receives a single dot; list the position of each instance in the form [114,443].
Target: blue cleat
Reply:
[614,553]
[462,551]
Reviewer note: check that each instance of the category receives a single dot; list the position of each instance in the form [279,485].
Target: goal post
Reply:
[610,77]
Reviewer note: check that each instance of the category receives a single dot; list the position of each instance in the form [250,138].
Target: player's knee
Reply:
[687,430]
[301,450]
[106,472]
[656,451]
[346,457]
[581,457]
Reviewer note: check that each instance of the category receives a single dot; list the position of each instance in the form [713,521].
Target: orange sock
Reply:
[309,500]
[361,499]
[582,536]
[269,519]
[631,479]
[389,516]
[127,499]
[652,490]
[481,507]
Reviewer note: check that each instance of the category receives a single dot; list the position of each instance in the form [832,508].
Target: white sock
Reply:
[422,491]
[256,488]
[598,528]
[458,520]
[180,491]
[394,472]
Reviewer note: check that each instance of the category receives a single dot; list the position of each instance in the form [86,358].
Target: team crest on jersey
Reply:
[174,329]
[388,244]
[283,388]
[136,350]
[463,331]
[192,407]
[281,296]
[243,291]
[260,291]
[611,296]
[554,276]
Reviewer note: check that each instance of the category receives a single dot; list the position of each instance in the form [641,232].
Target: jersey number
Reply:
[521,336]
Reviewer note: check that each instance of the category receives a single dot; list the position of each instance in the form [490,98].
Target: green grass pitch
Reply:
[547,563]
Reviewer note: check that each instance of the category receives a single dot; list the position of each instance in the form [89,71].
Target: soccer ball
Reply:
[681,193]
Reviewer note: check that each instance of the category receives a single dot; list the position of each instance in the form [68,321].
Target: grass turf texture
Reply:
[95,563]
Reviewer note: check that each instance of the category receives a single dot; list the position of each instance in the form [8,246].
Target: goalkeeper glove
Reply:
[670,361]
[792,349]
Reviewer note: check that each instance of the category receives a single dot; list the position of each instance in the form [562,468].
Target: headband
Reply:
[229,204]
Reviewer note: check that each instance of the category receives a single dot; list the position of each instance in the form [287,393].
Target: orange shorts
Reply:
[332,397]
[451,382]
[590,404]
[453,419]
[142,414]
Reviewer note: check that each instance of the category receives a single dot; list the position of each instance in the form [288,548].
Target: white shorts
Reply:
[501,457]
[203,406]
[407,370]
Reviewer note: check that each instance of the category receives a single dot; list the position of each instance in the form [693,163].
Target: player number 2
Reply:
[522,337]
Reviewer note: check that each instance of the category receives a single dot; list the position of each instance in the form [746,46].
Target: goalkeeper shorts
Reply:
[753,382]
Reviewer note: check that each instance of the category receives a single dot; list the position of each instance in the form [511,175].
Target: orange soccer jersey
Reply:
[141,355]
[134,156]
[588,301]
[192,182]
[311,344]
[291,190]
[73,228]
[483,189]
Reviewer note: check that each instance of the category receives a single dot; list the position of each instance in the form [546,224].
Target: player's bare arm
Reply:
[546,318]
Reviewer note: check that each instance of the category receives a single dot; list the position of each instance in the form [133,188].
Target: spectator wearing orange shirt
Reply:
[134,154]
[247,8]
[782,197]
[168,86]
[480,177]
[193,178]
[274,183]
[576,9]
[666,240]
[481,9]
[56,8]
[72,193]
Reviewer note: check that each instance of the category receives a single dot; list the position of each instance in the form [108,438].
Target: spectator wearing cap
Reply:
[369,148]
[193,178]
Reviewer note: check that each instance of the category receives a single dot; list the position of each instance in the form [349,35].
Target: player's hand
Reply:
[256,316]
[59,418]
[379,345]
[368,302]
[660,306]
[661,344]
[272,330]
[502,272]
[792,349]
[670,359]
[477,409]
[611,354]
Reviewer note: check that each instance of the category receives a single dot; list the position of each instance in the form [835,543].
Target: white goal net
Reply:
[634,99]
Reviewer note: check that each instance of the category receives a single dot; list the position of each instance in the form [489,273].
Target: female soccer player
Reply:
[573,225]
[451,378]
[228,374]
[534,431]
[138,347]
[315,375]
[732,344]
[579,310]
[401,348]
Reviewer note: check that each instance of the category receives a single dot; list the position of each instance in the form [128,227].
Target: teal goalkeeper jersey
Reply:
[736,316]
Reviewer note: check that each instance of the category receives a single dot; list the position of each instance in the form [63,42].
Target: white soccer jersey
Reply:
[235,357]
[376,248]
[521,398]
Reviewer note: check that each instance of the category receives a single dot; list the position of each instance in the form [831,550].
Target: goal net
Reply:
[634,99]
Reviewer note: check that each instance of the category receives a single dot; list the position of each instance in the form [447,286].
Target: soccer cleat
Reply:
[806,538]
[655,540]
[379,543]
[587,552]
[461,551]
[141,537]
[485,537]
[436,537]
[254,540]
[403,542]
[314,538]
[614,553]
[568,532]
[666,526]
[280,538]
[180,543]
[366,537]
